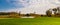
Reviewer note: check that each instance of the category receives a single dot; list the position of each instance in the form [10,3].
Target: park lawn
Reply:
[31,21]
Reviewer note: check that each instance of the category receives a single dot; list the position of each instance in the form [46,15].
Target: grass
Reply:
[32,21]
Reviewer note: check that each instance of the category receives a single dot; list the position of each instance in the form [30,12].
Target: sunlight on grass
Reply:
[29,21]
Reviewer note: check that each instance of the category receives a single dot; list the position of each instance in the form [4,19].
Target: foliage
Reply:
[48,13]
[55,10]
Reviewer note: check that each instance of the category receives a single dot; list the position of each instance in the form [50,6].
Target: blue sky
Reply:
[4,5]
[8,4]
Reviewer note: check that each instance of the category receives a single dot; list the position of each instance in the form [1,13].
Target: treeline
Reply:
[16,15]
[7,13]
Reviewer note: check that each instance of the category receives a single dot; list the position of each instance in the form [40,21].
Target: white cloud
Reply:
[38,6]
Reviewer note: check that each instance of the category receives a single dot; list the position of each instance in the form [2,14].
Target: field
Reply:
[30,21]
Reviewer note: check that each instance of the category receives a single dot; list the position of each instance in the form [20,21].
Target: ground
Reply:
[30,21]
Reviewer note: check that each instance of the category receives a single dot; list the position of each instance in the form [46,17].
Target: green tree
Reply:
[55,11]
[48,12]
[58,9]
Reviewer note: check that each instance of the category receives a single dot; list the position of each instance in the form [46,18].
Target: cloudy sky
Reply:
[28,6]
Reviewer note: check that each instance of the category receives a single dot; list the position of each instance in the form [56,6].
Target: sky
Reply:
[28,6]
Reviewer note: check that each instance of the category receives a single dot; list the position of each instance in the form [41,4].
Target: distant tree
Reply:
[48,13]
[27,15]
[58,9]
[19,13]
[55,11]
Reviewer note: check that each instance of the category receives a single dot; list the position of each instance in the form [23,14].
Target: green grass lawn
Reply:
[32,21]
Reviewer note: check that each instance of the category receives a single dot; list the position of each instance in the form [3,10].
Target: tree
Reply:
[19,13]
[27,15]
[58,9]
[55,11]
[48,12]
